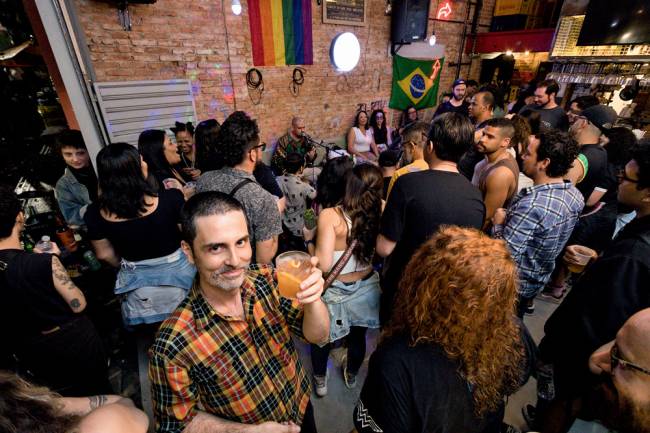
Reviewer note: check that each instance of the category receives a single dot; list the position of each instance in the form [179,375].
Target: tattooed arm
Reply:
[102,413]
[84,405]
[66,288]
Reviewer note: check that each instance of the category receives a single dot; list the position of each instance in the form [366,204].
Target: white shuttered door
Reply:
[130,107]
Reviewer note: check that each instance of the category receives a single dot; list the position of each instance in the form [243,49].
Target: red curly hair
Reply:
[459,292]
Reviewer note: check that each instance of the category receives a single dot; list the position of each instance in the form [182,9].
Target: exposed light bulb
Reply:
[389,8]
[509,53]
[527,52]
[236,7]
[432,39]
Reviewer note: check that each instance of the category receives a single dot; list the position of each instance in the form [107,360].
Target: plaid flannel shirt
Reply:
[538,224]
[245,371]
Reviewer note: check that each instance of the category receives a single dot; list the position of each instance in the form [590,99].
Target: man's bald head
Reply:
[297,126]
[634,337]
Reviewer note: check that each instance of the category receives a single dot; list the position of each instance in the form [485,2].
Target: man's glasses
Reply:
[616,360]
[261,145]
[621,176]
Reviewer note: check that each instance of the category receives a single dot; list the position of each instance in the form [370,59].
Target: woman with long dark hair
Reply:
[184,133]
[205,142]
[381,133]
[353,298]
[360,143]
[330,185]
[28,408]
[135,226]
[161,156]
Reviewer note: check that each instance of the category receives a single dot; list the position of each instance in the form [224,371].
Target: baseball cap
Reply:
[602,116]
[457,82]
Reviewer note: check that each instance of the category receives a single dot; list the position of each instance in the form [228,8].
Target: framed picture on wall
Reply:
[348,12]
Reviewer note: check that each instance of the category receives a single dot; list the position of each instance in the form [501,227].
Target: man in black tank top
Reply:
[497,175]
[42,324]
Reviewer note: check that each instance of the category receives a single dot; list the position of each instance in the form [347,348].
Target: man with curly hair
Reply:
[453,349]
[241,150]
[541,218]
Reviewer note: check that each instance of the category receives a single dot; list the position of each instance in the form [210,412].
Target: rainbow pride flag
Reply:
[281,32]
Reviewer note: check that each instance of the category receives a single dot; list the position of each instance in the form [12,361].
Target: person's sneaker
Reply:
[529,413]
[320,383]
[530,308]
[350,379]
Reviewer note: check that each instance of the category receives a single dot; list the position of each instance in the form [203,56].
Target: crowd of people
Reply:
[441,234]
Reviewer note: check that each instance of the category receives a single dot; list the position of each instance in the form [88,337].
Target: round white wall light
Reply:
[236,7]
[345,52]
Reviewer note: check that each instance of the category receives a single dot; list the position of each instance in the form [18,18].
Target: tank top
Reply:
[353,265]
[31,302]
[361,141]
[509,163]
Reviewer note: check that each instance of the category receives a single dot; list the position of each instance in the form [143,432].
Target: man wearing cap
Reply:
[593,178]
[457,103]
[552,116]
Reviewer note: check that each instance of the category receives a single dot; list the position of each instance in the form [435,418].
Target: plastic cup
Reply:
[583,256]
[293,268]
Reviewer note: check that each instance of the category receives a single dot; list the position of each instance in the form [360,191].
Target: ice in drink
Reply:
[292,267]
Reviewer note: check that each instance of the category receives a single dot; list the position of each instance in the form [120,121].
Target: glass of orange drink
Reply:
[293,268]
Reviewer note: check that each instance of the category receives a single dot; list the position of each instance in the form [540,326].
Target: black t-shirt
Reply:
[418,205]
[266,178]
[386,185]
[417,390]
[148,237]
[609,292]
[598,172]
[550,118]
[30,301]
[448,107]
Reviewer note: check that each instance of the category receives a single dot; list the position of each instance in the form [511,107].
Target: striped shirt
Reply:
[243,370]
[538,224]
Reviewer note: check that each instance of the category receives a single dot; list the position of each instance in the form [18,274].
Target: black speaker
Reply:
[409,21]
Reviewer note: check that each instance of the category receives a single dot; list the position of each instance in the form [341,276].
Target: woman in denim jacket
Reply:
[135,226]
[353,298]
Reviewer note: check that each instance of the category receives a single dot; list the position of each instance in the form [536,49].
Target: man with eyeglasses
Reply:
[241,148]
[611,289]
[623,400]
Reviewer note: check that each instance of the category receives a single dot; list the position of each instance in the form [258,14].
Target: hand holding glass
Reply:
[293,267]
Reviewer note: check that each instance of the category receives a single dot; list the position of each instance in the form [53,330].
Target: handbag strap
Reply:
[339,265]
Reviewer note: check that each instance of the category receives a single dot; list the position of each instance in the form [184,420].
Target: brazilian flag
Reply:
[415,82]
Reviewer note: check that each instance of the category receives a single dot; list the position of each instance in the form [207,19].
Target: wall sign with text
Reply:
[348,12]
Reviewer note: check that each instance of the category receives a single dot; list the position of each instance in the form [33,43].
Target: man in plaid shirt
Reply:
[224,360]
[541,218]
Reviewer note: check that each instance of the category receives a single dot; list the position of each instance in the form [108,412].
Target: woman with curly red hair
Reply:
[452,350]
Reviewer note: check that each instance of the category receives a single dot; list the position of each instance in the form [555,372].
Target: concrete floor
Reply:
[334,411]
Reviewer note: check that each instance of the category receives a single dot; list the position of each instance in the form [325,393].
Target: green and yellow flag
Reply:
[415,82]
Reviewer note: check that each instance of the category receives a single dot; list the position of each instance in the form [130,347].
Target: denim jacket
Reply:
[355,304]
[73,198]
[171,270]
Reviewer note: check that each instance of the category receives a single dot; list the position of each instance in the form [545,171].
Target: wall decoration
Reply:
[281,32]
[348,12]
[415,82]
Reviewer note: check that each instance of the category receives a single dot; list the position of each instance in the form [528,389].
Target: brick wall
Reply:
[187,39]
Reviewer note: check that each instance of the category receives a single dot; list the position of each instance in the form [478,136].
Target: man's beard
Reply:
[228,284]
[616,410]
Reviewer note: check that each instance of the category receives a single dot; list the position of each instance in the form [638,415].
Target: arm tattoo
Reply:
[96,401]
[61,275]
[75,303]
